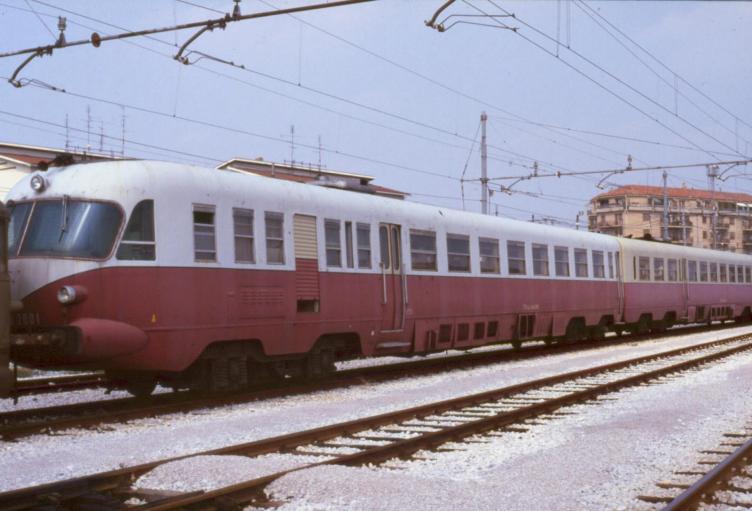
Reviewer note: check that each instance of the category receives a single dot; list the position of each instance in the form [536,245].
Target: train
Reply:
[216,279]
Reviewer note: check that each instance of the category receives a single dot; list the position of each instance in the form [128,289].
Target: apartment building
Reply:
[700,218]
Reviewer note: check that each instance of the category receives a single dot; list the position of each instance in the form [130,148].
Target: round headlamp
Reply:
[66,295]
[38,183]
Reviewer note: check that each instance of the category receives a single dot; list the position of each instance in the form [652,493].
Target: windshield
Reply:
[67,228]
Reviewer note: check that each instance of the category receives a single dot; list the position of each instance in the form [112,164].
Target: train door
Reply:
[619,282]
[685,288]
[393,298]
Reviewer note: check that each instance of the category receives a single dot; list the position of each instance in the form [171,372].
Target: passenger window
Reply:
[644,263]
[540,259]
[703,271]
[658,269]
[203,233]
[384,243]
[396,256]
[723,272]
[732,273]
[275,237]
[747,274]
[618,266]
[364,245]
[138,238]
[333,248]
[242,220]
[580,262]
[561,261]
[692,271]
[516,257]
[458,252]
[349,245]
[739,273]
[599,270]
[423,250]
[489,255]
[673,270]
[610,265]
[713,272]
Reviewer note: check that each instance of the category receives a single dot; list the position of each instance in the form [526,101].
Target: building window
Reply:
[611,265]
[204,245]
[703,271]
[275,237]
[364,245]
[489,255]
[658,269]
[580,262]
[713,272]
[349,245]
[540,259]
[672,270]
[423,250]
[723,272]
[646,217]
[732,273]
[138,240]
[599,270]
[692,272]
[561,260]
[242,221]
[644,265]
[458,251]
[333,243]
[516,257]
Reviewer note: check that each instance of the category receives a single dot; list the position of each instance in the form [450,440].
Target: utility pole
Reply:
[665,206]
[712,175]
[67,135]
[483,165]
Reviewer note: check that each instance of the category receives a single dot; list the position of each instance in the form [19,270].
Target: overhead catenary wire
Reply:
[588,10]
[495,157]
[602,86]
[667,68]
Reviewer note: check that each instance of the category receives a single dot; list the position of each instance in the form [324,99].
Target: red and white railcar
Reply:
[158,271]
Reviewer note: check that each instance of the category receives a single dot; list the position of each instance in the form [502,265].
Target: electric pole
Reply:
[483,165]
[665,206]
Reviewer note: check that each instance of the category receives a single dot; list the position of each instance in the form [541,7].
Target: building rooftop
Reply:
[687,193]
[34,156]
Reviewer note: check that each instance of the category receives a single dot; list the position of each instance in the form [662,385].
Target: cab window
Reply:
[138,240]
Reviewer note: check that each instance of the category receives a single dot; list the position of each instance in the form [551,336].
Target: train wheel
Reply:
[597,333]
[516,344]
[140,387]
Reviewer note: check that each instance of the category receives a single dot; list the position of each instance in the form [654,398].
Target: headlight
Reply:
[38,183]
[66,295]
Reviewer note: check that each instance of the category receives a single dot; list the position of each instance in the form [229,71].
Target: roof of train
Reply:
[129,181]
[132,180]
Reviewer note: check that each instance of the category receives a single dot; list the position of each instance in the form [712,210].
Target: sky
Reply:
[369,88]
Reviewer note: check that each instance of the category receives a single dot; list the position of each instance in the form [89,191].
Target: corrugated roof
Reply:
[674,193]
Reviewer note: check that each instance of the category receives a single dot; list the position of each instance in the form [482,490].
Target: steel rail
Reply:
[713,480]
[33,386]
[19,423]
[109,481]
[245,492]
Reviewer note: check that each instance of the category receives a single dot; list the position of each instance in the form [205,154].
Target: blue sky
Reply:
[392,98]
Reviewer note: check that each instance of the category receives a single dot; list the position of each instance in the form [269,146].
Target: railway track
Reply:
[382,437]
[42,385]
[19,423]
[721,480]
